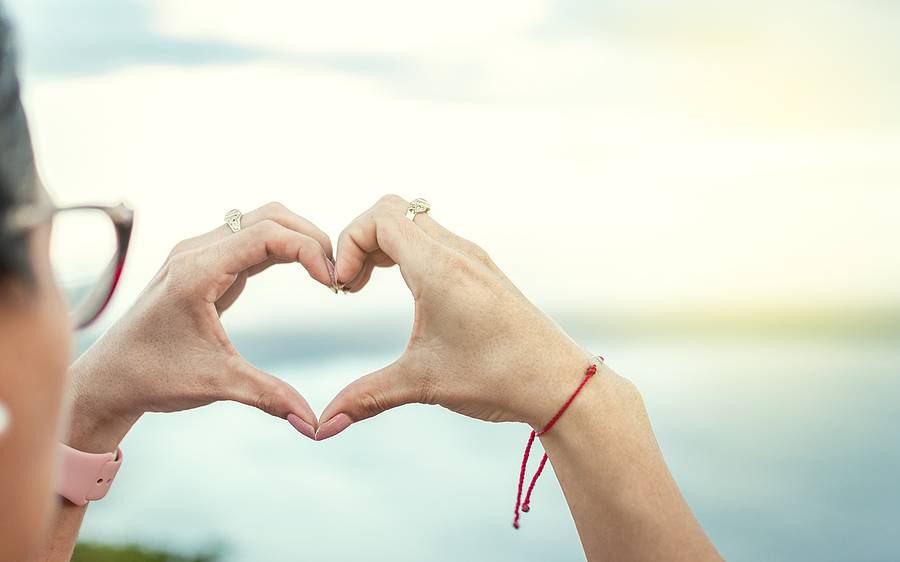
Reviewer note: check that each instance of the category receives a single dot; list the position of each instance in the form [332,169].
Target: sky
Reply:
[615,158]
[626,156]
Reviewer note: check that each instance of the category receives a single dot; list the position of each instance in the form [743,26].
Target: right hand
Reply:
[478,346]
[170,351]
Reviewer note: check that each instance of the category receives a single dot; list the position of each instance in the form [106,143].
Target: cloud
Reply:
[662,175]
[647,207]
[811,66]
[64,39]
[357,27]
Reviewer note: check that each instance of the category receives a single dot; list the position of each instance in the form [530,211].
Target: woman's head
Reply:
[34,335]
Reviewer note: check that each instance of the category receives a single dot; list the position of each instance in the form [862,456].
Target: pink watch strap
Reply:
[86,476]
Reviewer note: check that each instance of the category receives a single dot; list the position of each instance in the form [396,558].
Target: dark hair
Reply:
[17,171]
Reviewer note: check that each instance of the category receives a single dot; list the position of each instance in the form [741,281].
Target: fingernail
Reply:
[330,267]
[333,426]
[302,426]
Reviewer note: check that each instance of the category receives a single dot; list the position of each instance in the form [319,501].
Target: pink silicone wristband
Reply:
[87,476]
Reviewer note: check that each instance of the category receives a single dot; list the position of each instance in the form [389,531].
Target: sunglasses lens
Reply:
[82,251]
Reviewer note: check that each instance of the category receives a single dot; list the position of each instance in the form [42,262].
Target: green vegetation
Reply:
[91,552]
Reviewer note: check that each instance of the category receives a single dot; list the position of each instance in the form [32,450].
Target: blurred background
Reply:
[705,192]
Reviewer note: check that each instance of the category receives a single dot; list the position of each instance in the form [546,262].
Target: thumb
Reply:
[273,396]
[366,397]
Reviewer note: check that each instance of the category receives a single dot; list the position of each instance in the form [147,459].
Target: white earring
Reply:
[4,418]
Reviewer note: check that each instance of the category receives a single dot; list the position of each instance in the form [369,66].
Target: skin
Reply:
[34,345]
[168,353]
[480,348]
[472,350]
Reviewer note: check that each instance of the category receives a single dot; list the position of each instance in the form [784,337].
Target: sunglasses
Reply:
[88,244]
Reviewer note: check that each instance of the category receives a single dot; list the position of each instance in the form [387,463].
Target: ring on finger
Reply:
[416,206]
[233,220]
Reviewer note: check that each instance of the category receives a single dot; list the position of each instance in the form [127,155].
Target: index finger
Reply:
[275,212]
[221,262]
[384,227]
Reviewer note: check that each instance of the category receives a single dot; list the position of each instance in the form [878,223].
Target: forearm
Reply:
[624,501]
[92,428]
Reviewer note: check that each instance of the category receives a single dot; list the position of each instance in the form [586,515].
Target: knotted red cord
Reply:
[526,505]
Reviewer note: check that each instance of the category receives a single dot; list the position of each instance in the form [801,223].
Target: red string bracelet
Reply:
[525,506]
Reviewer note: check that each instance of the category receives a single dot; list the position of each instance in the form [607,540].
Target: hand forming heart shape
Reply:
[478,346]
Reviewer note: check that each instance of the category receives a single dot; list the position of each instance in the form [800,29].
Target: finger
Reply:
[231,294]
[260,267]
[234,291]
[362,278]
[466,247]
[373,260]
[367,397]
[385,228]
[221,262]
[288,219]
[354,245]
[272,395]
[275,212]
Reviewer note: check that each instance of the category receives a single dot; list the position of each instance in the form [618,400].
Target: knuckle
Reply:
[460,264]
[388,205]
[391,199]
[181,247]
[306,247]
[178,271]
[472,279]
[274,208]
[266,227]
[271,400]
[372,403]
[180,262]
[264,402]
[477,252]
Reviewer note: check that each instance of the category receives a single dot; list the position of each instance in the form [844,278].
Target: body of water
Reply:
[786,451]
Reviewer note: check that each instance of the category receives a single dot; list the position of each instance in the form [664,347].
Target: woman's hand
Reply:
[170,352]
[478,346]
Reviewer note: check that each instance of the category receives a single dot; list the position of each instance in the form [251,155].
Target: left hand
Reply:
[170,351]
[478,346]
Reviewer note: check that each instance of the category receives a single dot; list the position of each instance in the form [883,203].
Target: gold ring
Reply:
[233,220]
[417,206]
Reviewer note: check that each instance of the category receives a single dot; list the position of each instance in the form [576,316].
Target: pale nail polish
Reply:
[330,266]
[333,426]
[302,426]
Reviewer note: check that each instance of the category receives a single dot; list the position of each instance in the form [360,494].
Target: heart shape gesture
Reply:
[478,346]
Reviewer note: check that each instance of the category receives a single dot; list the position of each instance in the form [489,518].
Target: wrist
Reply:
[554,377]
[97,424]
[607,416]
[95,432]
